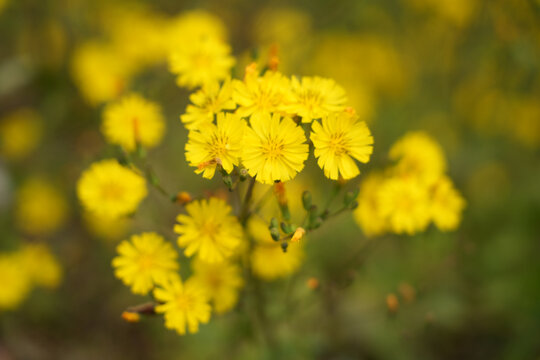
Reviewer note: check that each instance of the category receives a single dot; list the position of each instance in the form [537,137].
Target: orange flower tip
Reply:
[392,303]
[350,110]
[341,181]
[407,292]
[273,60]
[183,197]
[251,70]
[279,190]
[298,234]
[208,163]
[313,283]
[131,317]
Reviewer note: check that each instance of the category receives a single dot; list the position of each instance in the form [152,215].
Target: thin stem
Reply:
[244,211]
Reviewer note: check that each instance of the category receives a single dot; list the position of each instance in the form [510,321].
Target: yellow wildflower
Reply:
[274,149]
[194,25]
[133,120]
[338,141]
[106,228]
[221,281]
[367,213]
[446,205]
[20,133]
[40,208]
[208,229]
[207,102]
[147,259]
[211,145]
[41,265]
[183,304]
[110,190]
[260,95]
[315,98]
[15,282]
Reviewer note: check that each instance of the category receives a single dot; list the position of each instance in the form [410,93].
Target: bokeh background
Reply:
[465,71]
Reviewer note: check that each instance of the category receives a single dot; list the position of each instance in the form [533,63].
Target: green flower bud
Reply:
[306,200]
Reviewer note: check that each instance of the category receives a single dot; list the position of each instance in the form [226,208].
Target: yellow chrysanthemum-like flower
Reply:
[315,98]
[106,228]
[419,155]
[260,95]
[20,133]
[194,25]
[212,144]
[201,62]
[144,261]
[41,265]
[338,141]
[268,261]
[367,213]
[133,120]
[221,281]
[447,205]
[15,281]
[110,190]
[405,204]
[207,102]
[40,208]
[183,304]
[274,148]
[208,229]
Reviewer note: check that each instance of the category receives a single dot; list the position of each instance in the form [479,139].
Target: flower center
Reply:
[145,262]
[112,191]
[272,149]
[209,228]
[338,144]
[184,302]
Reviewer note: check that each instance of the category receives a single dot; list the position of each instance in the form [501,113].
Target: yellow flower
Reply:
[207,102]
[184,305]
[20,133]
[41,265]
[315,98]
[200,62]
[221,281]
[216,144]
[419,155]
[144,261]
[99,73]
[40,208]
[208,229]
[105,227]
[268,261]
[194,25]
[340,139]
[15,282]
[446,205]
[404,203]
[110,190]
[133,120]
[260,95]
[367,213]
[274,149]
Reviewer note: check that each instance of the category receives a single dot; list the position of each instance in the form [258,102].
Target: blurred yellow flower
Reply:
[40,209]
[221,281]
[367,213]
[110,190]
[106,228]
[144,261]
[404,203]
[208,229]
[258,96]
[183,305]
[338,141]
[15,281]
[447,205]
[419,155]
[201,62]
[194,26]
[274,148]
[207,102]
[133,120]
[41,265]
[268,261]
[20,133]
[315,98]
[212,144]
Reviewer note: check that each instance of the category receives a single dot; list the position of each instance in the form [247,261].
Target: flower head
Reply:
[274,149]
[144,261]
[315,98]
[200,62]
[367,213]
[110,190]
[211,145]
[183,304]
[221,281]
[20,134]
[207,102]
[260,95]
[41,265]
[447,204]
[16,283]
[338,141]
[133,120]
[208,229]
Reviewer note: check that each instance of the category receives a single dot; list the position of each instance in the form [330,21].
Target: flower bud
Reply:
[274,232]
[284,246]
[306,200]
[350,196]
[298,234]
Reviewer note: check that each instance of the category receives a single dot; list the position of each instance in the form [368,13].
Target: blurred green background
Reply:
[465,71]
